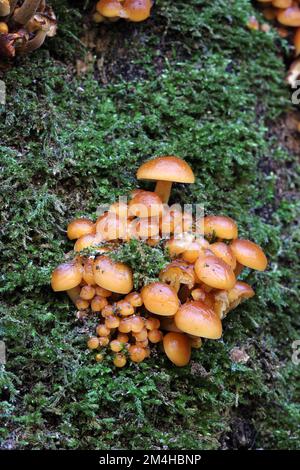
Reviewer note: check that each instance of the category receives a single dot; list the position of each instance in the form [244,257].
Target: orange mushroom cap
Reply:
[290,16]
[241,290]
[249,254]
[224,252]
[137,10]
[66,276]
[214,272]
[197,319]
[220,226]
[160,299]
[282,3]
[145,204]
[80,227]
[109,8]
[178,272]
[115,277]
[166,170]
[177,347]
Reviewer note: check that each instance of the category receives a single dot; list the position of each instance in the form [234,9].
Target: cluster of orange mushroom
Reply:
[130,10]
[193,292]
[286,15]
[24,26]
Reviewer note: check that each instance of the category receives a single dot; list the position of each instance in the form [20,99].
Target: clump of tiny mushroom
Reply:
[193,293]
[286,17]
[24,26]
[130,10]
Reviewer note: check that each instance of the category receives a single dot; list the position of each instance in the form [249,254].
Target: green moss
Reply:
[198,84]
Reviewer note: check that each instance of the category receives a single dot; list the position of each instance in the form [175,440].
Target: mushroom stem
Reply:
[13,4]
[163,189]
[4,8]
[35,43]
[26,11]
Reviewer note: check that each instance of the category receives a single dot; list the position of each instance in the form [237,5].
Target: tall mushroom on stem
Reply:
[166,171]
[43,25]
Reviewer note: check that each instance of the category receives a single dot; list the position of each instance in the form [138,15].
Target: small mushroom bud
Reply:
[220,226]
[152,323]
[197,319]
[99,357]
[120,360]
[136,353]
[82,304]
[87,292]
[124,308]
[160,299]
[214,272]
[103,341]
[178,348]
[116,346]
[3,28]
[79,227]
[98,303]
[141,335]
[93,343]
[196,342]
[125,325]
[137,324]
[145,204]
[102,330]
[155,336]
[74,293]
[112,321]
[135,299]
[123,338]
[66,276]
[249,254]
[115,277]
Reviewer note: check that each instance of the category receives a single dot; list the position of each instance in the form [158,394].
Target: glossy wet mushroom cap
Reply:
[224,252]
[289,16]
[197,319]
[241,290]
[80,227]
[115,277]
[109,8]
[66,276]
[166,170]
[249,254]
[214,272]
[220,226]
[145,204]
[137,10]
[161,299]
[177,347]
